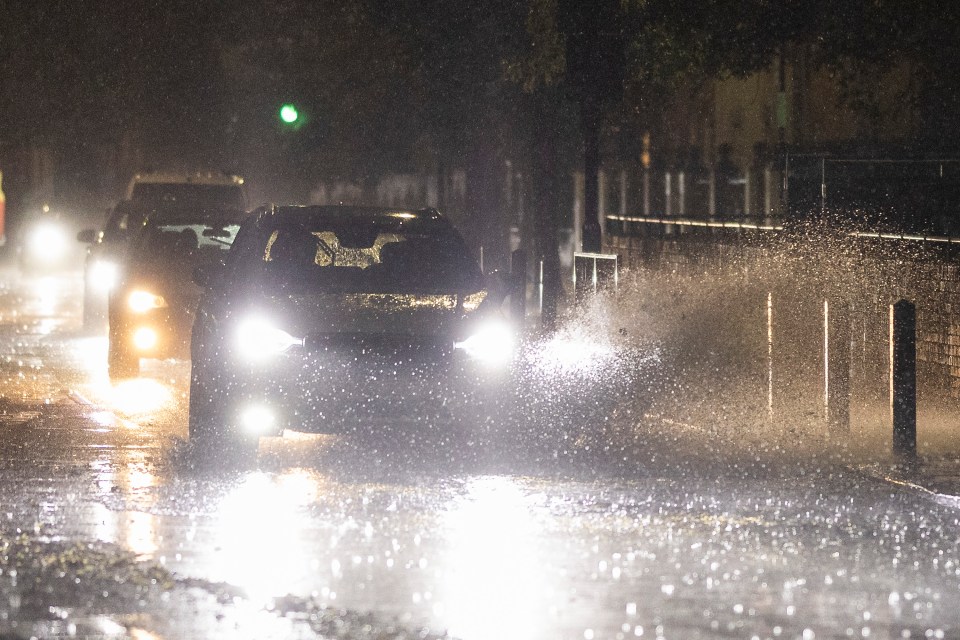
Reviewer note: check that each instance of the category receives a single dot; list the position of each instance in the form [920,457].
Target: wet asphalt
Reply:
[603,513]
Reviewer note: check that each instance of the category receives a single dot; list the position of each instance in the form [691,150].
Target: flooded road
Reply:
[622,525]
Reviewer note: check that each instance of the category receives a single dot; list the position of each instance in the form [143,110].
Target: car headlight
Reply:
[48,241]
[257,419]
[103,275]
[141,301]
[492,341]
[258,339]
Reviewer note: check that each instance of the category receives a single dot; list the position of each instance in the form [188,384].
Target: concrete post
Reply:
[903,377]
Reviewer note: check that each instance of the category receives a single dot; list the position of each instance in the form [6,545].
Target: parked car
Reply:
[146,193]
[328,318]
[105,255]
[151,307]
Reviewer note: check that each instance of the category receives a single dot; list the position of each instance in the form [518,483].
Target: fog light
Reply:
[257,419]
[492,342]
[145,338]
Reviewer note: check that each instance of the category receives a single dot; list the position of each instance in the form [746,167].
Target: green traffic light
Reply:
[289,113]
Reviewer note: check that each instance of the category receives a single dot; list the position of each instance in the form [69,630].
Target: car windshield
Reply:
[346,259]
[159,194]
[186,242]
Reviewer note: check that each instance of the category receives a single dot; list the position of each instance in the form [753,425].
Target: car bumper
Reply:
[324,393]
[162,333]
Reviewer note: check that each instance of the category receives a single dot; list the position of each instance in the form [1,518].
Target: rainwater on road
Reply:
[682,508]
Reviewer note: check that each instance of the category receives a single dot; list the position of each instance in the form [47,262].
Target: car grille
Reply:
[381,349]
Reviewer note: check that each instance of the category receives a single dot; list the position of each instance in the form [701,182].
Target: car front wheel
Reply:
[121,363]
[209,427]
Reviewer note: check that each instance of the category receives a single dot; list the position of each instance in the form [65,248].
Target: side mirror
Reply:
[207,275]
[88,236]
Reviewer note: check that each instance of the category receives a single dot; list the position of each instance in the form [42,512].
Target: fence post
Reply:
[624,205]
[770,337]
[548,296]
[903,377]
[646,193]
[836,363]
[712,194]
[594,272]
[682,194]
[667,194]
[747,194]
[518,285]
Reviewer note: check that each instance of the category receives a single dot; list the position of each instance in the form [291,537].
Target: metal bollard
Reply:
[903,377]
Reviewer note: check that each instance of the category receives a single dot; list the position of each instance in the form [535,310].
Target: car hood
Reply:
[174,290]
[433,315]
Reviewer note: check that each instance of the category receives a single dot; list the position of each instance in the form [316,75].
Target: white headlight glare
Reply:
[492,341]
[103,275]
[140,301]
[258,338]
[48,241]
[256,419]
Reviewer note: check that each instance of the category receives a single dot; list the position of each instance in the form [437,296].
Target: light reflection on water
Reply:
[140,396]
[493,583]
[260,534]
[133,526]
[49,294]
[91,355]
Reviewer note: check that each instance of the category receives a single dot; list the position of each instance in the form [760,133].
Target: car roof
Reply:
[195,215]
[343,213]
[206,178]
[186,177]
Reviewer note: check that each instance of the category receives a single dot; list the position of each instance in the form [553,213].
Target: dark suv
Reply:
[329,318]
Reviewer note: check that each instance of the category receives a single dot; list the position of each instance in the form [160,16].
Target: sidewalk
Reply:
[936,475]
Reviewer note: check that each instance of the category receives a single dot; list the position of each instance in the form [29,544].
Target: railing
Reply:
[687,222]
